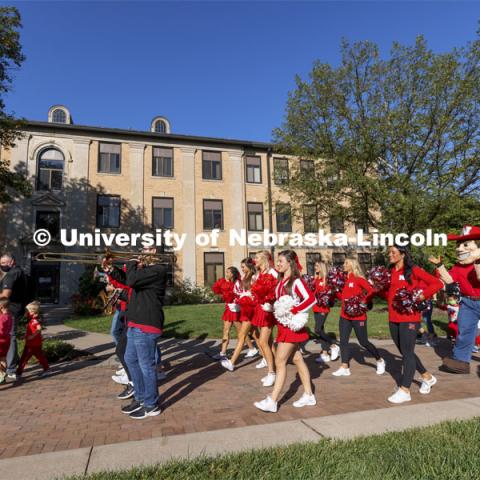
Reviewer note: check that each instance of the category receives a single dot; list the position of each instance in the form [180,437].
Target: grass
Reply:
[193,321]
[446,450]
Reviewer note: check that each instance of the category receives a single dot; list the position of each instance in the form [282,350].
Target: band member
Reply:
[355,285]
[263,318]
[288,341]
[404,326]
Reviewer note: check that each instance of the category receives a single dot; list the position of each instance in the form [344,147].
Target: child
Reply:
[6,322]
[33,339]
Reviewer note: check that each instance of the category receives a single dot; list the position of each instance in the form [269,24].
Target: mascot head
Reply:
[468,244]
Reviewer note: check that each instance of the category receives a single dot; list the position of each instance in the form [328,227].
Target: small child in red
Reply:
[33,339]
[6,322]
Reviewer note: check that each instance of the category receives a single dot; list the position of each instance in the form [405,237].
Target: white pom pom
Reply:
[282,309]
[298,321]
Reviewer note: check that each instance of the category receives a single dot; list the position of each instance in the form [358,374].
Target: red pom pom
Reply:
[406,301]
[309,281]
[324,298]
[379,277]
[263,288]
[224,288]
[247,305]
[355,306]
[336,278]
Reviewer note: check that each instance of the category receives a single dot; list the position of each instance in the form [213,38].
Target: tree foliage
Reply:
[397,138]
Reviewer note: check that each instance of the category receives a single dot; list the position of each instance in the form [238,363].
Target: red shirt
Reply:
[33,327]
[466,276]
[6,321]
[320,286]
[355,286]
[145,328]
[421,280]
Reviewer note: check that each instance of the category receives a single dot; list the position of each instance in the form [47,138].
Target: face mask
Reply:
[5,268]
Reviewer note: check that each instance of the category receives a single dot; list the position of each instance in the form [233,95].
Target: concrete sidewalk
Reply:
[158,450]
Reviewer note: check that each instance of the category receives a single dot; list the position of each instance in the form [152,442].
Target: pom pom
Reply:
[325,298]
[309,281]
[379,277]
[336,279]
[282,310]
[247,303]
[355,306]
[224,288]
[298,321]
[263,289]
[407,302]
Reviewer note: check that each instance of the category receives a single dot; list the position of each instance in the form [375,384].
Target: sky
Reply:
[218,69]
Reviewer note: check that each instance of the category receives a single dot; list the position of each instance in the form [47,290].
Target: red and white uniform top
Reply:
[237,289]
[467,279]
[320,286]
[355,286]
[302,296]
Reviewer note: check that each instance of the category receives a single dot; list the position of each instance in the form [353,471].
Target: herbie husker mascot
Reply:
[466,272]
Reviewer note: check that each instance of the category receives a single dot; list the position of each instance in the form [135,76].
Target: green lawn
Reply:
[445,451]
[193,321]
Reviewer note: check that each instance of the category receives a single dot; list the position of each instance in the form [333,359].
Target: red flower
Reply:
[263,289]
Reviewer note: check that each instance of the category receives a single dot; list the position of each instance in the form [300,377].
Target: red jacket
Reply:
[320,286]
[355,286]
[421,280]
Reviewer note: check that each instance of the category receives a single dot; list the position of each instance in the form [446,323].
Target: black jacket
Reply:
[148,289]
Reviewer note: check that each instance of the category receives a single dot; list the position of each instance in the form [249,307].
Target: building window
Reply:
[108,211]
[312,258]
[280,171]
[49,221]
[284,217]
[255,216]
[307,167]
[50,170]
[162,162]
[338,259]
[162,216]
[109,158]
[59,116]
[361,224]
[214,267]
[211,165]
[254,170]
[310,218]
[160,126]
[212,214]
[365,261]
[336,225]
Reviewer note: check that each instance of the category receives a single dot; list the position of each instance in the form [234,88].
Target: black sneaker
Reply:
[132,407]
[146,412]
[126,393]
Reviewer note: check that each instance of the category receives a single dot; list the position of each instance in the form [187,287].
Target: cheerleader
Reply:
[288,341]
[246,312]
[355,284]
[330,351]
[231,316]
[404,326]
[263,318]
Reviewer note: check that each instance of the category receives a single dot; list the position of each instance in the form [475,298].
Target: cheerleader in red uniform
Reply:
[263,318]
[355,285]
[404,326]
[231,316]
[288,341]
[247,309]
[320,312]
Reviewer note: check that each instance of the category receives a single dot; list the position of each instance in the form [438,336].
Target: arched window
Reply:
[59,116]
[50,170]
[160,126]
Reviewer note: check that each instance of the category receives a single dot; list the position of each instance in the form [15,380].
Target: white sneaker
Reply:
[120,372]
[261,364]
[342,372]
[381,366]
[220,356]
[400,396]
[334,352]
[252,352]
[161,376]
[323,358]
[305,400]
[267,405]
[427,385]
[121,379]
[269,380]
[226,363]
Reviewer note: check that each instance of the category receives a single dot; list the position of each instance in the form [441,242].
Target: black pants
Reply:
[404,336]
[320,319]
[360,327]
[122,343]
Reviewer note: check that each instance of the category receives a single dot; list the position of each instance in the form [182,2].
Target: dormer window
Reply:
[59,116]
[160,125]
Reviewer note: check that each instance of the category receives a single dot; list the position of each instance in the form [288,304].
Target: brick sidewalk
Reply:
[76,406]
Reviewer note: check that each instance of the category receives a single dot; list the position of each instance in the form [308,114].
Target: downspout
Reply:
[269,196]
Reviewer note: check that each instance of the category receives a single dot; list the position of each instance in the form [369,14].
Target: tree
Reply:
[11,57]
[397,138]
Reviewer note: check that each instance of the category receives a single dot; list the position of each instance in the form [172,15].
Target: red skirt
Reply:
[246,314]
[4,346]
[285,335]
[229,316]
[261,318]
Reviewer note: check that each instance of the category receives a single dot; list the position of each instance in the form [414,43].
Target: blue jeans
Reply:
[427,317]
[468,317]
[140,359]
[117,326]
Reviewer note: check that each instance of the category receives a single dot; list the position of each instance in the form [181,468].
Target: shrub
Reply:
[188,293]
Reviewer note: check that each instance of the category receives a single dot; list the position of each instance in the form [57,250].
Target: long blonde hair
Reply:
[264,260]
[356,268]
[323,269]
